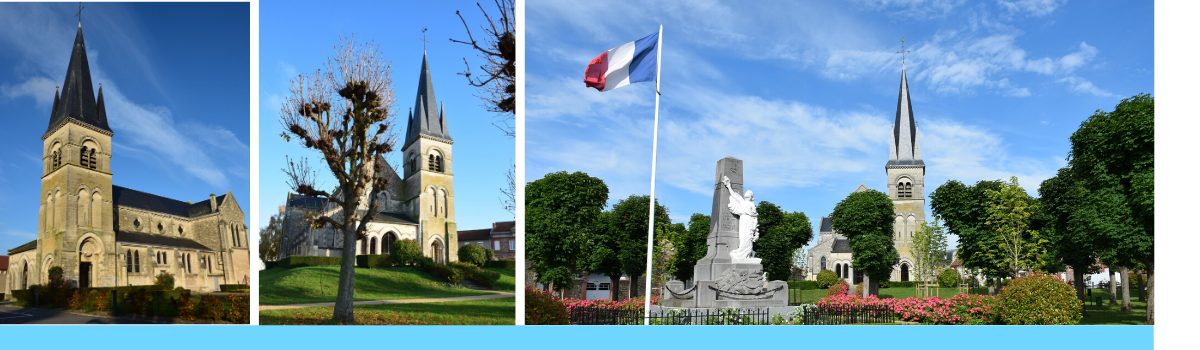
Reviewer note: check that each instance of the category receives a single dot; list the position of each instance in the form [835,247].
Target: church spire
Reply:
[77,101]
[905,147]
[426,120]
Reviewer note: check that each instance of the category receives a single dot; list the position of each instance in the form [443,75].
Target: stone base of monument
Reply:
[737,286]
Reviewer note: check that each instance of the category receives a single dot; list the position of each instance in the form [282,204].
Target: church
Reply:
[103,235]
[905,186]
[418,203]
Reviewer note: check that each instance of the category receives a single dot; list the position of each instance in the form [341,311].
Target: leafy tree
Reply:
[269,237]
[473,254]
[690,246]
[780,234]
[631,217]
[663,250]
[345,114]
[947,278]
[1112,156]
[405,252]
[1061,199]
[826,278]
[800,260]
[561,211]
[1009,211]
[604,255]
[962,208]
[866,219]
[929,250]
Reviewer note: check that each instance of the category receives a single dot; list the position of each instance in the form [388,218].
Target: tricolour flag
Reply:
[633,62]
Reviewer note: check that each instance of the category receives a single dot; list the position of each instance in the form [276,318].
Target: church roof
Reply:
[77,101]
[3,263]
[305,202]
[23,248]
[124,197]
[424,118]
[841,246]
[159,240]
[825,225]
[906,142]
[394,217]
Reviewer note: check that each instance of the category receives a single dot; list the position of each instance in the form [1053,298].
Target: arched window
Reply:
[362,246]
[83,159]
[388,238]
[92,159]
[137,262]
[443,202]
[373,245]
[432,162]
[128,261]
[838,268]
[440,167]
[846,271]
[823,264]
[189,263]
[57,159]
[903,272]
[84,201]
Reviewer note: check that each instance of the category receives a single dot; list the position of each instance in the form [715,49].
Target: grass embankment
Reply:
[508,279]
[473,312]
[317,284]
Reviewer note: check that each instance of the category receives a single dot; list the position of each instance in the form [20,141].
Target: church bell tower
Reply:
[428,175]
[906,181]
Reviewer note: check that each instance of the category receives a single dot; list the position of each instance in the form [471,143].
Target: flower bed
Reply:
[959,309]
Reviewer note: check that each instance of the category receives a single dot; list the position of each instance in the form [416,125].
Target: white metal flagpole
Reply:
[653,170]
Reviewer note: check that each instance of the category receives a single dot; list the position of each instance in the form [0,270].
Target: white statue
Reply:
[747,224]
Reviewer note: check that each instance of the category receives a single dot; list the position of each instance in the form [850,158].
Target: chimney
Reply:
[212,201]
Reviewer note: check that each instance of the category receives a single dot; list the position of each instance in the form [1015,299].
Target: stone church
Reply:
[103,235]
[418,203]
[906,187]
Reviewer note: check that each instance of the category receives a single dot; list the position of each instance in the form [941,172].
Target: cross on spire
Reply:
[902,52]
[79,14]
[423,41]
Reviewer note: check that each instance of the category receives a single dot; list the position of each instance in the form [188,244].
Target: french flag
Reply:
[633,62]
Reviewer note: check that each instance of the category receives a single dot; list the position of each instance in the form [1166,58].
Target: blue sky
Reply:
[176,88]
[805,92]
[482,154]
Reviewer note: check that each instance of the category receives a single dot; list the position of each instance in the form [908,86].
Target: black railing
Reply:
[858,314]
[794,296]
[598,316]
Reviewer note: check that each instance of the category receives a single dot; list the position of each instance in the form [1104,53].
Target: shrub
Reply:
[481,276]
[272,264]
[303,261]
[77,300]
[901,284]
[211,308]
[507,263]
[803,284]
[838,288]
[185,305]
[373,260]
[452,275]
[164,281]
[234,288]
[472,254]
[858,289]
[1038,299]
[541,308]
[488,253]
[948,278]
[826,278]
[239,308]
[406,252]
[138,302]
[100,300]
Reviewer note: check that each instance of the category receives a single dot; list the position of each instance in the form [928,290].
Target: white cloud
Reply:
[920,9]
[1083,86]
[41,89]
[968,154]
[1036,8]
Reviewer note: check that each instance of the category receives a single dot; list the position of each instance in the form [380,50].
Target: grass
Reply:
[1111,314]
[508,279]
[317,284]
[473,312]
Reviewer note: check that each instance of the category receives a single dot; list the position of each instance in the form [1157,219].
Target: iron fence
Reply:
[598,316]
[856,314]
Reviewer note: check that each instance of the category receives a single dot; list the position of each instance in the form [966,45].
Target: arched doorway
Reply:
[373,245]
[388,238]
[88,254]
[838,268]
[904,272]
[25,276]
[438,251]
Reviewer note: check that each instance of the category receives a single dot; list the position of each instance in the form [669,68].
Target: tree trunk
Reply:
[1112,286]
[633,281]
[1079,287]
[1150,292]
[1125,305]
[343,307]
[1141,285]
[614,287]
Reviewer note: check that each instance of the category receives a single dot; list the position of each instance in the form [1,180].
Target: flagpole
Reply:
[653,170]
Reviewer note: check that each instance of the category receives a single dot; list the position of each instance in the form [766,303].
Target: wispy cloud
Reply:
[39,88]
[1036,8]
[1083,86]
[918,9]
[969,153]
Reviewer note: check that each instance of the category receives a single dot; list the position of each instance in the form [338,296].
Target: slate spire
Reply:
[905,147]
[76,100]
[425,119]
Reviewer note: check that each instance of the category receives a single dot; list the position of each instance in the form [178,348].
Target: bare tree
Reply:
[509,201]
[351,142]
[497,86]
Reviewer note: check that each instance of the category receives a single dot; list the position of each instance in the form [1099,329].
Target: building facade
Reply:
[104,235]
[500,239]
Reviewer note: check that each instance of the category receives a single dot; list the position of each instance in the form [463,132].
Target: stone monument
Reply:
[729,276]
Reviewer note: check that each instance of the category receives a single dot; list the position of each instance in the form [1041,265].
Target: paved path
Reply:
[18,315]
[498,295]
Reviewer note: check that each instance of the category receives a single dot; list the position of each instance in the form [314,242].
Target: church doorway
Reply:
[388,238]
[439,252]
[88,253]
[25,276]
[373,245]
[85,274]
[903,272]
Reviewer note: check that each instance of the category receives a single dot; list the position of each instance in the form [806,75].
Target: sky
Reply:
[176,90]
[804,93]
[482,153]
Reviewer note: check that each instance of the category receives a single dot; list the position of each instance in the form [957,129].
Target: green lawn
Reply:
[472,312]
[508,279]
[1111,314]
[316,284]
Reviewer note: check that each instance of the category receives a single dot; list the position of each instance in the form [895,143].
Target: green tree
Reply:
[1112,156]
[963,209]
[929,250]
[1061,199]
[631,217]
[604,251]
[473,254]
[345,114]
[1009,211]
[663,250]
[800,260]
[780,234]
[561,211]
[690,246]
[269,237]
[866,219]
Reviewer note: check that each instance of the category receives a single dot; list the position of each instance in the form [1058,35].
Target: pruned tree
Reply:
[344,114]
[561,210]
[269,237]
[497,85]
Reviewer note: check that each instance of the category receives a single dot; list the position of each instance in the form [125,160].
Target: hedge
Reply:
[481,276]
[503,264]
[904,284]
[272,264]
[472,254]
[373,260]
[303,261]
[803,285]
[405,252]
[452,275]
[235,288]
